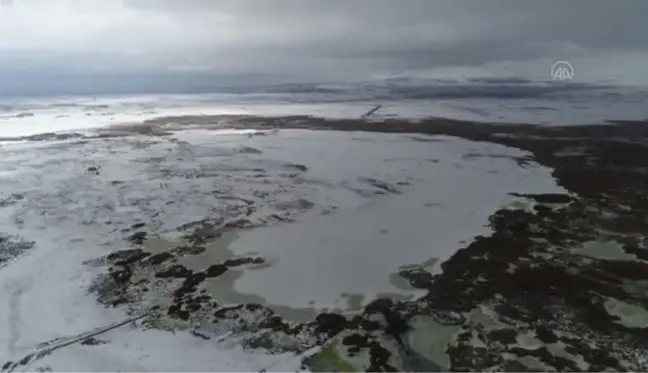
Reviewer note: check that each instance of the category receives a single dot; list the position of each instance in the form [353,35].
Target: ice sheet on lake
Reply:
[369,204]
[452,193]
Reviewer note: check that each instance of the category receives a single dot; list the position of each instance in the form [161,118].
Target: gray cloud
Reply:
[314,38]
[385,23]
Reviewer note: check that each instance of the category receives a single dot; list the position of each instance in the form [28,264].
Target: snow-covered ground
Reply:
[364,205]
[478,100]
[66,212]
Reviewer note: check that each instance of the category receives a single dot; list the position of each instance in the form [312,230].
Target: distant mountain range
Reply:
[53,83]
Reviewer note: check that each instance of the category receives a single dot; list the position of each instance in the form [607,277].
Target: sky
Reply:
[189,42]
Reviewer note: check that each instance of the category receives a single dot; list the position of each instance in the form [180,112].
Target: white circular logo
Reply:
[562,70]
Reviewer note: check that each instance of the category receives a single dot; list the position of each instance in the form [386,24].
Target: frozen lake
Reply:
[362,206]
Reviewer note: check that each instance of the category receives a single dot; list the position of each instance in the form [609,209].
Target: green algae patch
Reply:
[430,339]
[629,315]
[528,341]
[330,359]
[484,317]
[637,288]
[533,364]
[605,250]
[560,350]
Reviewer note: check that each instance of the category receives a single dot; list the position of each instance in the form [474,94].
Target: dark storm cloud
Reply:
[394,25]
[312,37]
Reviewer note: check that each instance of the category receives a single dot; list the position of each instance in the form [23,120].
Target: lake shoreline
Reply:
[520,275]
[533,294]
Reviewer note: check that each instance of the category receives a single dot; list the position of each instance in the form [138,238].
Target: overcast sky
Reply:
[316,38]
